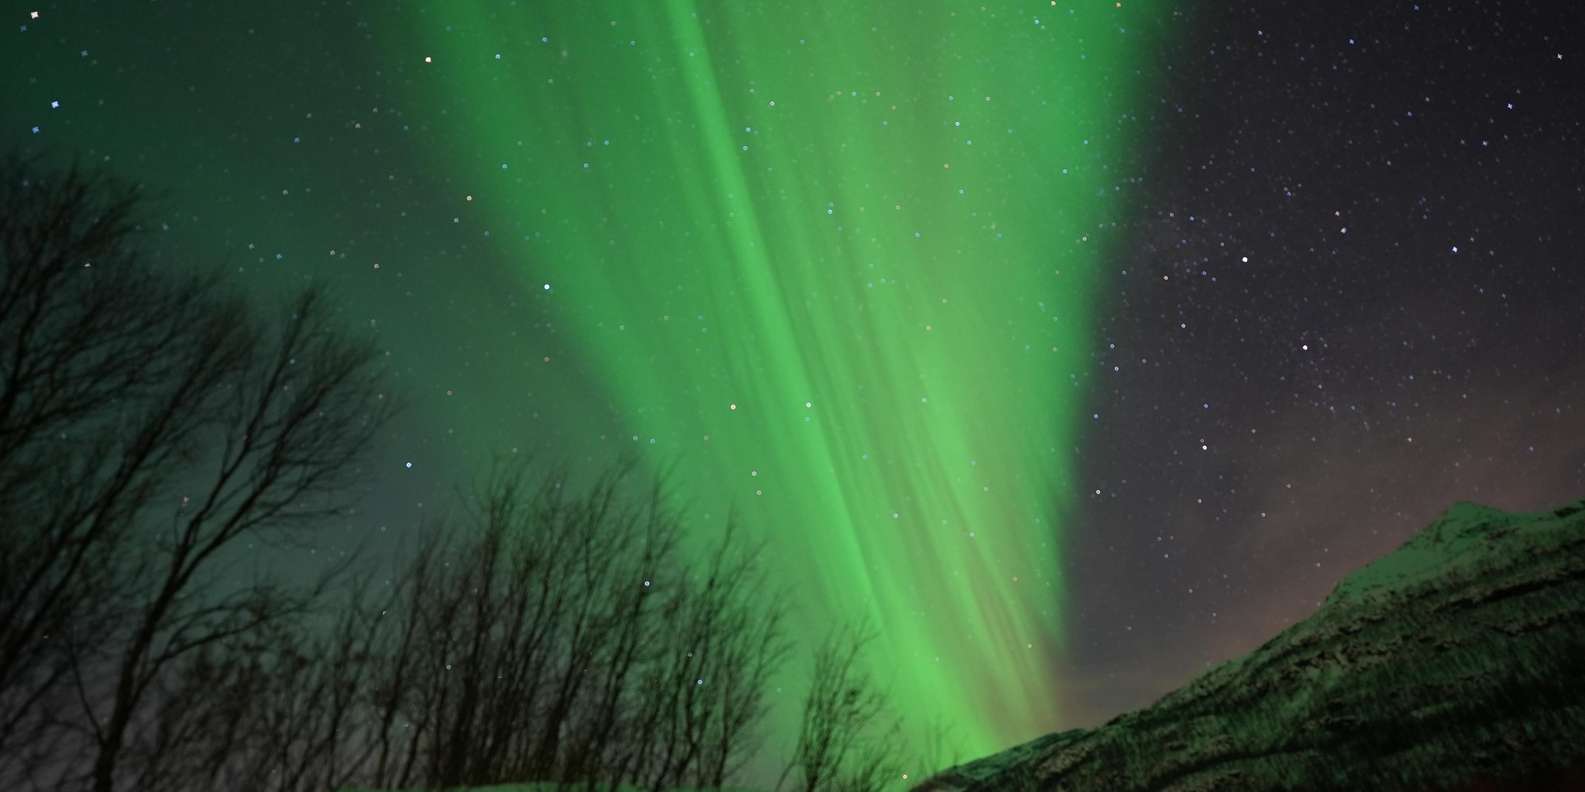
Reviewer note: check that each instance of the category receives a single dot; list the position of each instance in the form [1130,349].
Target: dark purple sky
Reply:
[1407,182]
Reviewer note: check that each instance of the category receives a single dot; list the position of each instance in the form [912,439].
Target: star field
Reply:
[1076,345]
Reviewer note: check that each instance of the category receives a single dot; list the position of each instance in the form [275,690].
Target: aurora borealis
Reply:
[817,257]
[1073,345]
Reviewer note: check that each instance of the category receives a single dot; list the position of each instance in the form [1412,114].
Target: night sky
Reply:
[1077,345]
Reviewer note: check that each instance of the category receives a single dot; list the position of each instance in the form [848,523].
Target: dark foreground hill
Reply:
[1455,662]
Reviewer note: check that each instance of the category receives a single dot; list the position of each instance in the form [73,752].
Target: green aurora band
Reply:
[837,261]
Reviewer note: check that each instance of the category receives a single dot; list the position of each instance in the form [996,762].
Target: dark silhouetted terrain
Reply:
[1455,662]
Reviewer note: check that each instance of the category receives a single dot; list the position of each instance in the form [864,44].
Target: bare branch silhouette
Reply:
[154,429]
[846,741]
[147,423]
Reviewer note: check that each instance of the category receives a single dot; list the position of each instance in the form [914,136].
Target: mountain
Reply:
[1455,662]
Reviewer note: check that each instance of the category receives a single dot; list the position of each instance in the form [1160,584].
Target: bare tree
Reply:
[92,339]
[555,636]
[154,431]
[281,708]
[286,428]
[707,689]
[148,424]
[846,741]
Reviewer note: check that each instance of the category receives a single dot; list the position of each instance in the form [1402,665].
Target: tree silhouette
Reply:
[556,637]
[846,740]
[154,429]
[547,634]
[148,422]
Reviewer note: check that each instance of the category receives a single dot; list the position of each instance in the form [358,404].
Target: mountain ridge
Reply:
[1457,661]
